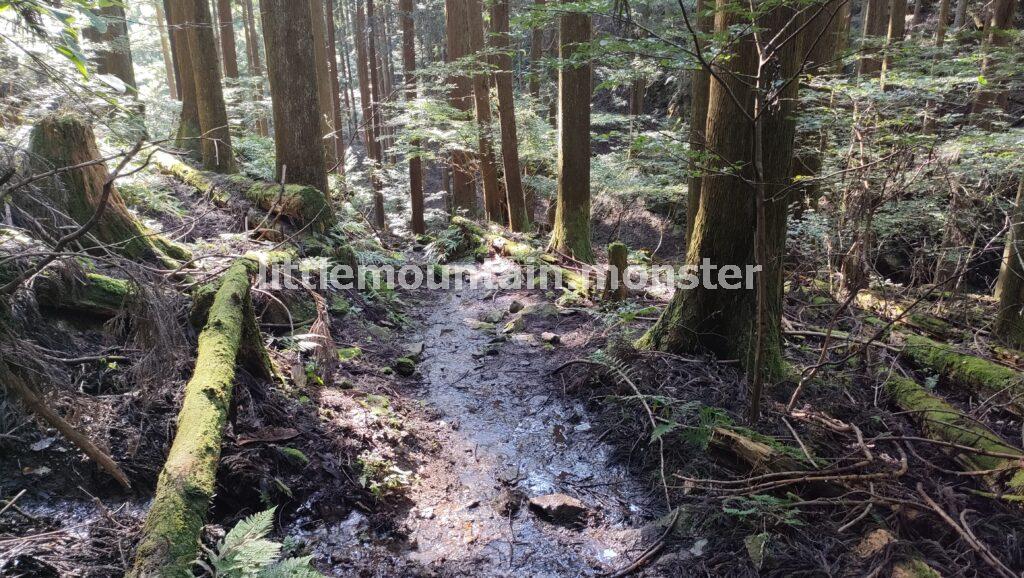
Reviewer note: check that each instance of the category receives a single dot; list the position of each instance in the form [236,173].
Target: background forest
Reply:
[856,412]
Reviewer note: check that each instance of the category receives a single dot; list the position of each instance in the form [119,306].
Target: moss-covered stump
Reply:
[170,537]
[304,207]
[942,422]
[65,140]
[95,294]
[615,279]
[985,378]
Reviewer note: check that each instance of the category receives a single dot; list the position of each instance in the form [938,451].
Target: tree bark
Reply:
[960,17]
[459,45]
[405,15]
[165,50]
[570,234]
[291,69]
[876,26]
[495,208]
[187,135]
[536,53]
[516,200]
[992,97]
[376,119]
[363,71]
[213,116]
[226,24]
[332,67]
[252,54]
[700,85]
[1009,326]
[943,20]
[114,51]
[323,82]
[727,226]
[895,32]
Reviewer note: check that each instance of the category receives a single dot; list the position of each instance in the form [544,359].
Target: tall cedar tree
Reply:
[993,96]
[502,40]
[459,46]
[724,321]
[405,15]
[113,51]
[897,29]
[323,80]
[287,33]
[570,234]
[700,85]
[213,115]
[1009,326]
[187,135]
[332,66]
[876,27]
[165,50]
[376,119]
[494,203]
[252,55]
[536,53]
[363,72]
[226,24]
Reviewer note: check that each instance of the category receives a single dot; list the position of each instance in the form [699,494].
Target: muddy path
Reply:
[495,431]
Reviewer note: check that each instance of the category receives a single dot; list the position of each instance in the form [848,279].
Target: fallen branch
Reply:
[22,391]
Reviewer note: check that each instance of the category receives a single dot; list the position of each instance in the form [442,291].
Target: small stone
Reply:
[559,509]
[515,307]
[548,337]
[514,326]
[414,351]
[405,366]
[494,316]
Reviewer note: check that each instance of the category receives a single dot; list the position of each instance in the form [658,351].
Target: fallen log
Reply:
[527,255]
[23,392]
[170,537]
[942,422]
[65,140]
[306,208]
[96,295]
[990,380]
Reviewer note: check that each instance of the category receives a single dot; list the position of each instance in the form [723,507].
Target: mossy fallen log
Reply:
[65,140]
[96,295]
[170,537]
[527,255]
[985,378]
[306,208]
[942,422]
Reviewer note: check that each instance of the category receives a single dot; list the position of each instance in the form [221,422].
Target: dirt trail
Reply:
[501,432]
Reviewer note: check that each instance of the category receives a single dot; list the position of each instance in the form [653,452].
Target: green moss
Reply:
[170,537]
[98,295]
[293,455]
[405,366]
[979,375]
[941,421]
[348,353]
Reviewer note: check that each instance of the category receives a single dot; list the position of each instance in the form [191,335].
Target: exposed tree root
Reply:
[170,537]
[305,208]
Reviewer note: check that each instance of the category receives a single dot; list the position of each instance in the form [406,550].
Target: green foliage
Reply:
[246,552]
[382,476]
[763,510]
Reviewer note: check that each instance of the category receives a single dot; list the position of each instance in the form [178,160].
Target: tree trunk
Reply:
[615,288]
[405,13]
[570,234]
[323,82]
[895,32]
[876,26]
[332,66]
[991,98]
[363,70]
[187,135]
[495,208]
[940,29]
[536,53]
[114,51]
[516,200]
[61,140]
[252,53]
[457,23]
[918,20]
[287,33]
[169,544]
[376,119]
[725,228]
[700,85]
[213,116]
[226,25]
[960,17]
[1009,326]
[346,68]
[165,50]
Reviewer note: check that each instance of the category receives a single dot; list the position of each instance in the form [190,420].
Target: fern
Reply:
[245,552]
